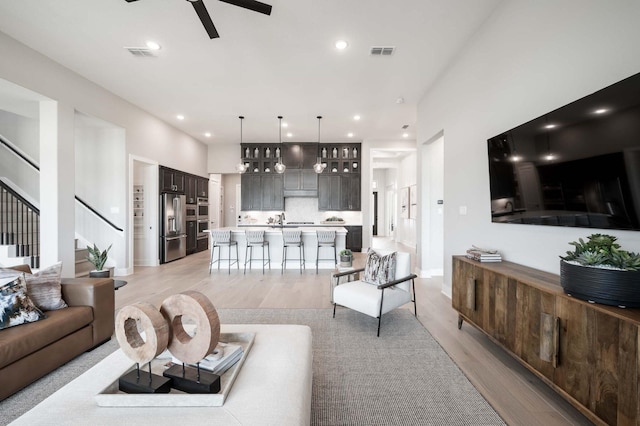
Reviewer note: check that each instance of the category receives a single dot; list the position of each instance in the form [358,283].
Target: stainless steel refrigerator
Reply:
[173,229]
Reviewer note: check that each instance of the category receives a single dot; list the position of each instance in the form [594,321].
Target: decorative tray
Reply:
[112,397]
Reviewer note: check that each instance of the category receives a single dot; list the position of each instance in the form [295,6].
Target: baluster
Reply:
[3,216]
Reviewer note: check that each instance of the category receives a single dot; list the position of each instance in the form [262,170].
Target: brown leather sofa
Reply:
[29,351]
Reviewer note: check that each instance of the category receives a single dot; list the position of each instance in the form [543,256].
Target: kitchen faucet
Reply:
[282,218]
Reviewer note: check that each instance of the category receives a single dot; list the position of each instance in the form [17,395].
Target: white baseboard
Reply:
[428,273]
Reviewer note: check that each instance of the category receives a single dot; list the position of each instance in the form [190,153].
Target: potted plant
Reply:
[346,257]
[598,270]
[98,259]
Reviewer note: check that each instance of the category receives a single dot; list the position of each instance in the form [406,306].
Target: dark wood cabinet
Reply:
[354,238]
[192,235]
[251,192]
[350,192]
[271,188]
[588,353]
[190,189]
[329,192]
[339,186]
[202,187]
[338,192]
[299,178]
[261,187]
[171,180]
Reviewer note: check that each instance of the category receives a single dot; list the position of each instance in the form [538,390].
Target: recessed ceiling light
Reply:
[349,135]
[153,45]
[550,126]
[289,134]
[356,117]
[341,44]
[208,134]
[405,135]
[601,111]
[180,117]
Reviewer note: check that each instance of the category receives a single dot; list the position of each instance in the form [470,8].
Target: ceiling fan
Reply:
[201,10]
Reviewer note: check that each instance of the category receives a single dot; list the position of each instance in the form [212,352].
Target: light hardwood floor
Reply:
[516,394]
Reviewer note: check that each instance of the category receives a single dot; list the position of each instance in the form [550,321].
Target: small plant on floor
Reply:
[96,257]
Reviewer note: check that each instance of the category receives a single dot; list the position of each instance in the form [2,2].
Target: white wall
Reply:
[223,157]
[528,59]
[146,135]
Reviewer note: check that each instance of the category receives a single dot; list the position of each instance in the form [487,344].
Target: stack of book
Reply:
[224,357]
[484,255]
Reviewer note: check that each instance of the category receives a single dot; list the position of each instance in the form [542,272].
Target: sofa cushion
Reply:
[379,269]
[16,307]
[17,342]
[44,287]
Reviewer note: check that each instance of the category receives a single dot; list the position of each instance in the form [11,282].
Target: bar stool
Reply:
[292,239]
[326,239]
[219,239]
[256,239]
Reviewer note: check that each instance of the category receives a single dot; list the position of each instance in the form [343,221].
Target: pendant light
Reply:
[241,167]
[280,168]
[319,167]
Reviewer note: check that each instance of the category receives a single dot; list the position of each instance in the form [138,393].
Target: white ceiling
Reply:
[261,66]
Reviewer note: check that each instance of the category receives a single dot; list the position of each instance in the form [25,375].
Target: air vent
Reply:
[382,50]
[142,52]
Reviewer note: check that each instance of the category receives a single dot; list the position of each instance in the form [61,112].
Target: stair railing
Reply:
[19,225]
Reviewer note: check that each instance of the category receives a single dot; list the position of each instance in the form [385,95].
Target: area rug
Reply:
[402,377]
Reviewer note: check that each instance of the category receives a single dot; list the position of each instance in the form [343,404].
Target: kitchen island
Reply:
[273,234]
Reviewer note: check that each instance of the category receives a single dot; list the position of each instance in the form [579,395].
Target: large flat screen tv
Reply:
[576,166]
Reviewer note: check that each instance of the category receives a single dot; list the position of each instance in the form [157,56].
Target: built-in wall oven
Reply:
[202,216]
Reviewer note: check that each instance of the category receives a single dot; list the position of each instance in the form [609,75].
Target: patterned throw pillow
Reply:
[15,306]
[379,269]
[44,287]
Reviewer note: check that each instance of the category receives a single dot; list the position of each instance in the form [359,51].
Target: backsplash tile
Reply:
[301,209]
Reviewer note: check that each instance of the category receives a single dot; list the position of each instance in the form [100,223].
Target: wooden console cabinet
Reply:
[587,352]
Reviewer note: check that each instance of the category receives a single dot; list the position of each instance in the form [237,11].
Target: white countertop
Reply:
[308,229]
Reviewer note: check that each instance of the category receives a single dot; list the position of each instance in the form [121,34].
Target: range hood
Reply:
[300,183]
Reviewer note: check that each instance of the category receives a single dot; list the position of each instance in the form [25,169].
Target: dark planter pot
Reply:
[605,286]
[99,274]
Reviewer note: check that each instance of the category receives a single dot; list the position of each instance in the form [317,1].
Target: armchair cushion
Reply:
[379,269]
[365,298]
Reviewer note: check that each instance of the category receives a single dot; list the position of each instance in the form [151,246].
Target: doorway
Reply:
[375,213]
[144,213]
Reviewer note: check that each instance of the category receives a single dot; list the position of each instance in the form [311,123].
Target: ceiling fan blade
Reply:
[201,10]
[130,1]
[254,5]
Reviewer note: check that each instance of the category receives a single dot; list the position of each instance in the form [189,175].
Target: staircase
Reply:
[83,266]
[19,229]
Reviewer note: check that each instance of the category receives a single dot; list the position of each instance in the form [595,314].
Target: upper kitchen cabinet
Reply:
[190,184]
[261,187]
[171,180]
[202,188]
[299,178]
[339,183]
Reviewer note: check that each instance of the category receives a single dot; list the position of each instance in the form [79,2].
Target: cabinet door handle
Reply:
[549,338]
[471,294]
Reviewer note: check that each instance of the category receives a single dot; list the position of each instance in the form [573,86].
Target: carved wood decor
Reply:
[191,307]
[137,318]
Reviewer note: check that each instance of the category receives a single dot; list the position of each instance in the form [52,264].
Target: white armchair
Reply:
[375,300]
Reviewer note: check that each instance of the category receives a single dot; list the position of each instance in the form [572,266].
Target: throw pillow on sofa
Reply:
[44,286]
[15,305]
